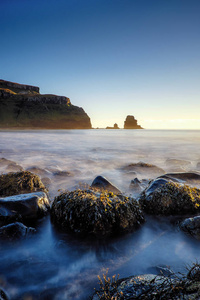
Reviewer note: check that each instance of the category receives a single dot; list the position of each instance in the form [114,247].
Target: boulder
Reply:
[20,183]
[148,286]
[164,197]
[101,183]
[191,226]
[97,214]
[23,207]
[15,231]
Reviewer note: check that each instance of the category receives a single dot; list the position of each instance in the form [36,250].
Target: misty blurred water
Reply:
[54,266]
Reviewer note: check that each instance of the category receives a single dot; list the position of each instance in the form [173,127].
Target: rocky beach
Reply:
[76,206]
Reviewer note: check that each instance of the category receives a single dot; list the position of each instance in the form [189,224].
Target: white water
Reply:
[53,266]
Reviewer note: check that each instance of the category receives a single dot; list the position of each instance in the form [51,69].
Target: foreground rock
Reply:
[15,231]
[22,106]
[23,207]
[102,183]
[152,287]
[191,226]
[92,213]
[185,177]
[20,183]
[164,197]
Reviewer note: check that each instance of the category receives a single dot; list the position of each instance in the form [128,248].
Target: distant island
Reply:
[114,127]
[22,106]
[129,123]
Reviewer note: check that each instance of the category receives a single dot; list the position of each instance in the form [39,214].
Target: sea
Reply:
[53,265]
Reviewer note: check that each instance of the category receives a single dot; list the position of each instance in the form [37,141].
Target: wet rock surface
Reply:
[23,207]
[188,177]
[98,214]
[191,226]
[152,287]
[163,197]
[3,295]
[20,183]
[15,231]
[102,183]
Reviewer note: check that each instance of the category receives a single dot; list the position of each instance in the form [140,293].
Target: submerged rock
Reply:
[92,213]
[173,162]
[15,230]
[102,183]
[191,226]
[143,168]
[163,197]
[189,177]
[20,183]
[23,207]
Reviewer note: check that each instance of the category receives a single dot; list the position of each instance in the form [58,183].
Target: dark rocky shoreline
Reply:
[101,211]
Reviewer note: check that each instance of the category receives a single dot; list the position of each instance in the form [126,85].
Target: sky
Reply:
[112,57]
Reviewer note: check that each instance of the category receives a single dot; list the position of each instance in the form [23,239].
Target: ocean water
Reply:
[51,265]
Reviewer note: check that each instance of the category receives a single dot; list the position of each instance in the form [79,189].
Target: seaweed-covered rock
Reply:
[149,287]
[192,227]
[23,207]
[20,183]
[92,213]
[164,197]
[15,231]
[102,183]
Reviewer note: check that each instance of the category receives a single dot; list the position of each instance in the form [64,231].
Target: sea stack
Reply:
[131,123]
[22,106]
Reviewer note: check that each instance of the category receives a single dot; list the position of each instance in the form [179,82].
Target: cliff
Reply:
[131,123]
[22,106]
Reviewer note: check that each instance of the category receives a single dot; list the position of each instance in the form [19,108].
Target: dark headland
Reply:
[22,106]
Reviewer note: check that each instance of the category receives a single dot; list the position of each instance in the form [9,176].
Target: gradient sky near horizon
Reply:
[112,57]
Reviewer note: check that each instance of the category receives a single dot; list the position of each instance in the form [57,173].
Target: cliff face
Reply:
[23,106]
[131,123]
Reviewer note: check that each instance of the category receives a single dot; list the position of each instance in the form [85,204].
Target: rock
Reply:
[173,162]
[114,127]
[198,166]
[137,186]
[14,167]
[194,272]
[102,183]
[131,123]
[62,174]
[20,183]
[163,197]
[23,106]
[149,286]
[3,295]
[97,214]
[23,207]
[189,177]
[5,162]
[38,171]
[143,169]
[192,226]
[15,231]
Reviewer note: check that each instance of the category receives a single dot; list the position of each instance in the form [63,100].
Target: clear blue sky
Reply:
[112,57]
